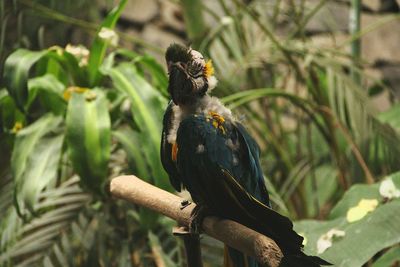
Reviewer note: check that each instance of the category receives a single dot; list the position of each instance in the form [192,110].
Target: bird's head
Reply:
[190,76]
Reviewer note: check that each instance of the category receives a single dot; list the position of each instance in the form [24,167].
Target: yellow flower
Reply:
[363,208]
[17,127]
[208,69]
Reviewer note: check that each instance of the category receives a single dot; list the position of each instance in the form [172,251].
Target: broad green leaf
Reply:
[99,47]
[377,230]
[41,171]
[16,73]
[146,63]
[390,258]
[50,89]
[357,192]
[363,239]
[75,74]
[88,137]
[147,109]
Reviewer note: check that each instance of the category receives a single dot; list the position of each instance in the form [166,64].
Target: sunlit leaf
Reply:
[381,224]
[89,137]
[147,109]
[16,73]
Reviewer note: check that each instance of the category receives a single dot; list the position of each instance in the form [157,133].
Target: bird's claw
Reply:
[196,219]
[185,203]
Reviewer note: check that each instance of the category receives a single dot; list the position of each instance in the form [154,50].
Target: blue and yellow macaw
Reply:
[207,151]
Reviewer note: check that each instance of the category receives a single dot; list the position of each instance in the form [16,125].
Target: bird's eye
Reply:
[195,68]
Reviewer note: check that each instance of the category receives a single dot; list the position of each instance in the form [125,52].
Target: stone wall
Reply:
[160,22]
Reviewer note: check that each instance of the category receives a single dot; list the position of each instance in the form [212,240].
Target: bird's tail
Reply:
[302,260]
[235,258]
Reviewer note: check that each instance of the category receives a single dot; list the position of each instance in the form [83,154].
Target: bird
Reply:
[209,152]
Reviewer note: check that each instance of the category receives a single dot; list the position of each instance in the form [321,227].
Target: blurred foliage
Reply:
[71,118]
[74,118]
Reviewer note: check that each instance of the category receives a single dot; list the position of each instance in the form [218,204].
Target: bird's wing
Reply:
[225,175]
[166,150]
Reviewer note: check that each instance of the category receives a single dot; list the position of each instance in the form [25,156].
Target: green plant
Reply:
[312,116]
[365,214]
[306,111]
[70,120]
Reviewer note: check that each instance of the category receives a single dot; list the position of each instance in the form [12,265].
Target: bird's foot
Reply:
[185,203]
[196,218]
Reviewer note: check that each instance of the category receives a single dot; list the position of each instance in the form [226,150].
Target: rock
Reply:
[329,40]
[381,102]
[333,16]
[161,38]
[389,6]
[373,5]
[158,37]
[391,76]
[377,5]
[383,42]
[140,11]
[127,43]
[171,16]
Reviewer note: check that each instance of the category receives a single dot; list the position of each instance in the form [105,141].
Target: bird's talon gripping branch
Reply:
[185,203]
[196,219]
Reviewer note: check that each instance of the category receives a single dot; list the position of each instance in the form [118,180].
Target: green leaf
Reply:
[34,159]
[41,171]
[99,47]
[10,114]
[16,73]
[353,196]
[390,258]
[381,225]
[50,90]
[89,137]
[147,109]
[145,63]
[131,144]
[325,187]
[27,244]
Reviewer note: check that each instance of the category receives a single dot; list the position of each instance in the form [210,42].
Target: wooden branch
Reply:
[235,235]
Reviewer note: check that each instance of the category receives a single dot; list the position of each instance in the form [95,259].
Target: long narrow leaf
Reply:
[98,50]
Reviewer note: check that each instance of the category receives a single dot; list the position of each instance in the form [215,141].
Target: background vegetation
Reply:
[72,118]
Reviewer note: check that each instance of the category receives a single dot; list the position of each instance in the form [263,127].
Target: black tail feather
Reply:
[302,260]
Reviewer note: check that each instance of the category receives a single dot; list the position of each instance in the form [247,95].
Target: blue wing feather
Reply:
[219,165]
